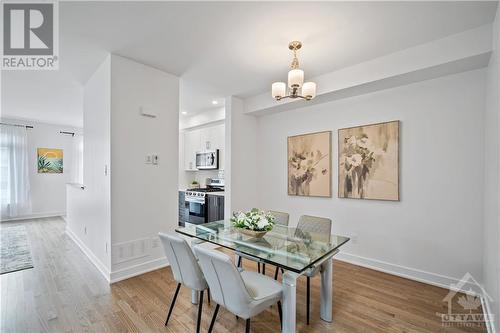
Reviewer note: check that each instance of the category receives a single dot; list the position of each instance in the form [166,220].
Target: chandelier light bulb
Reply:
[279,90]
[295,78]
[309,90]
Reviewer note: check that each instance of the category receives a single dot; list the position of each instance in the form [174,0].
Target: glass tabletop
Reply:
[290,248]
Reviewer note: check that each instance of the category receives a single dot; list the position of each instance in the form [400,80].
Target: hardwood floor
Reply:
[64,292]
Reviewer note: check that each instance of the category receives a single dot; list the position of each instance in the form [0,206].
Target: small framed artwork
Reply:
[310,164]
[369,162]
[50,160]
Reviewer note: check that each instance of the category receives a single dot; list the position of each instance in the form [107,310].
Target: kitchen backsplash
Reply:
[200,177]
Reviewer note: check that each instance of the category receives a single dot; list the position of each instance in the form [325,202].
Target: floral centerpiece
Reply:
[255,223]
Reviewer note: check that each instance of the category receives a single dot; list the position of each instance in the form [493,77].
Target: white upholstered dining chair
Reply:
[185,269]
[322,229]
[245,294]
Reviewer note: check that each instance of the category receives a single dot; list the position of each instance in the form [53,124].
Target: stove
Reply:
[199,194]
[205,189]
[196,203]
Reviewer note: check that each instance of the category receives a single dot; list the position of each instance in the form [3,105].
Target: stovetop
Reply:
[206,189]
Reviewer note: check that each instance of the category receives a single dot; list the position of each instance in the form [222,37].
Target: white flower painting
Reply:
[309,164]
[369,162]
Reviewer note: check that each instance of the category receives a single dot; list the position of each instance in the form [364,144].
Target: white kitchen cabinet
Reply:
[218,138]
[203,139]
[191,146]
[206,139]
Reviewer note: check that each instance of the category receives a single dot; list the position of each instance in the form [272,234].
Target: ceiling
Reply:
[226,48]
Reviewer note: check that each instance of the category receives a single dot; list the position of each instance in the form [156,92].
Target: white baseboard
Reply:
[405,272]
[93,259]
[33,216]
[145,267]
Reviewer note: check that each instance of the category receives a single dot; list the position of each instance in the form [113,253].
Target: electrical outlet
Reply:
[85,230]
[154,159]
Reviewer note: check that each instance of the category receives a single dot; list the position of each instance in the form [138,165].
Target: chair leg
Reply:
[198,323]
[213,318]
[263,268]
[280,313]
[258,267]
[208,295]
[173,302]
[276,273]
[239,261]
[308,298]
[247,328]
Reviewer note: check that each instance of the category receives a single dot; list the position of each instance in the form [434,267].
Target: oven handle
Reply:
[200,201]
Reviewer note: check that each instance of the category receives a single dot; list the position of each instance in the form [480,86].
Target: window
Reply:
[14,178]
[4,176]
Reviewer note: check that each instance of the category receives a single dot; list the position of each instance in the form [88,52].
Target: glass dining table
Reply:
[294,250]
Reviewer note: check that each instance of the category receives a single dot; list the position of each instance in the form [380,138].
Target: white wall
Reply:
[52,97]
[241,158]
[143,196]
[48,190]
[491,262]
[202,118]
[125,203]
[89,213]
[434,233]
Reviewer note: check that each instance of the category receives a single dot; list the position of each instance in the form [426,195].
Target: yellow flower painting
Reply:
[50,160]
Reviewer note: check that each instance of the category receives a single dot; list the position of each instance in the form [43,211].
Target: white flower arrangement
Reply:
[256,220]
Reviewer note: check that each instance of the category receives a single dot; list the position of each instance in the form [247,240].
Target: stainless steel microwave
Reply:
[207,160]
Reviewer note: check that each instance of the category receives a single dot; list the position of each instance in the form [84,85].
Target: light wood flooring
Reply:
[64,292]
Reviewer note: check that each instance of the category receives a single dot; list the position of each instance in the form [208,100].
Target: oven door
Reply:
[197,211]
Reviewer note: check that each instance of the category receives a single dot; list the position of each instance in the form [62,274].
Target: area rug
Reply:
[15,249]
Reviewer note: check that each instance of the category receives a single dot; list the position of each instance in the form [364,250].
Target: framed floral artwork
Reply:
[369,162]
[310,164]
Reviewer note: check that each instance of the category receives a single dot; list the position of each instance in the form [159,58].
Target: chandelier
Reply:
[296,85]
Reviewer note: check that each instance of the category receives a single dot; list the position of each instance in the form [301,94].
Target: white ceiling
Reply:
[227,48]
[46,96]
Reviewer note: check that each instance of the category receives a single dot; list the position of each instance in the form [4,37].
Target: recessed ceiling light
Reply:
[184,112]
[214,102]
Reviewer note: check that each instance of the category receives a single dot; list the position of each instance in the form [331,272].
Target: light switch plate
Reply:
[149,159]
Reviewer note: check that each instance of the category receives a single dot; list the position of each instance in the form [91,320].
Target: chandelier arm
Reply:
[294,96]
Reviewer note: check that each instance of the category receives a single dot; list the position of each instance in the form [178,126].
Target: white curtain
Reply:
[14,179]
[77,160]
